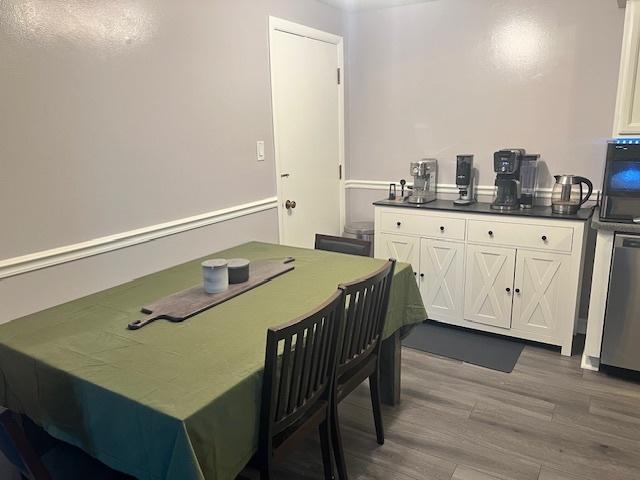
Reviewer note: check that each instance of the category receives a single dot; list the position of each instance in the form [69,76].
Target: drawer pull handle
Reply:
[491,233]
[442,229]
[508,290]
[399,223]
[544,238]
[517,290]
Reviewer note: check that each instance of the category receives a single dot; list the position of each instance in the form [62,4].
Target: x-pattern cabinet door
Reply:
[401,247]
[442,279]
[538,288]
[489,285]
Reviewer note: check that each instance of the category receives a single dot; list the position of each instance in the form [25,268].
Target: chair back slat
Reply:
[283,389]
[366,303]
[349,328]
[300,363]
[306,368]
[315,359]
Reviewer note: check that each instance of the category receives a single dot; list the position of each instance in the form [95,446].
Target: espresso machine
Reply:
[425,175]
[464,180]
[506,164]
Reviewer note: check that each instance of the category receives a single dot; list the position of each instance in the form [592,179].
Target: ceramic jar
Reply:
[215,276]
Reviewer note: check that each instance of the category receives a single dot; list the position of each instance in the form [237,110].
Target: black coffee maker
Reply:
[506,164]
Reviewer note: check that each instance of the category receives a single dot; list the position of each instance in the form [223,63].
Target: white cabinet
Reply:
[401,247]
[442,279]
[627,114]
[488,285]
[504,274]
[538,284]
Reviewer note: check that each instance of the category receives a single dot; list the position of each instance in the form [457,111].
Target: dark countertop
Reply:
[480,207]
[596,224]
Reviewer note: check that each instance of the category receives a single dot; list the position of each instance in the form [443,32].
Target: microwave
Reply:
[621,189]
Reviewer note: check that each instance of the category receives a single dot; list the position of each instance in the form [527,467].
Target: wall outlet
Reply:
[260,150]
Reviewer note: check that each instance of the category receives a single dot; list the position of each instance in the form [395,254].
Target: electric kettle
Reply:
[567,195]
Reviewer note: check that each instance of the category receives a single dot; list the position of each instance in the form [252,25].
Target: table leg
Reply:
[390,360]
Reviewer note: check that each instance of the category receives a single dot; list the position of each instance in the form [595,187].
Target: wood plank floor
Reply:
[547,420]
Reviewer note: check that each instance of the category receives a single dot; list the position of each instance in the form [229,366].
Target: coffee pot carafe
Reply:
[568,196]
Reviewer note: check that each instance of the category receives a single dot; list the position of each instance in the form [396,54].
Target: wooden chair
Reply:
[366,302]
[298,382]
[351,246]
[39,456]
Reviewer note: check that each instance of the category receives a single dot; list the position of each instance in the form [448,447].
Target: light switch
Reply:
[260,150]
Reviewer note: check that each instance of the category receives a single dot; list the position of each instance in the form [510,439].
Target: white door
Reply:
[442,279]
[403,248]
[489,285]
[307,132]
[537,294]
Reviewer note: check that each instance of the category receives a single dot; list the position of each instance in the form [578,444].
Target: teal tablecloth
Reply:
[172,400]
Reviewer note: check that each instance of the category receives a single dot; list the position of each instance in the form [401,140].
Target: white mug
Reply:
[215,276]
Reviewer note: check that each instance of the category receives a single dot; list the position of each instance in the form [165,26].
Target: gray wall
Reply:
[472,76]
[118,115]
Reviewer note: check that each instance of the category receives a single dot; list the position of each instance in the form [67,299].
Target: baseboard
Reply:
[68,253]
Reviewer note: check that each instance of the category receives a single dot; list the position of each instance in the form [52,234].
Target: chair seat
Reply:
[310,421]
[349,380]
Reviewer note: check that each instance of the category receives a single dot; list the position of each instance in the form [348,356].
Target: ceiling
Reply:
[358,5]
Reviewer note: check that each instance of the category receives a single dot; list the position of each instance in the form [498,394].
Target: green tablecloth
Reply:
[172,400]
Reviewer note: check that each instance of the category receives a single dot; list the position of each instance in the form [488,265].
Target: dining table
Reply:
[177,400]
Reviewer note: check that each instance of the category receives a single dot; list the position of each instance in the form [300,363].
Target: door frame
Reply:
[280,25]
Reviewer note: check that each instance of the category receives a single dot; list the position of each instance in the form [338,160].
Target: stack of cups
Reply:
[218,273]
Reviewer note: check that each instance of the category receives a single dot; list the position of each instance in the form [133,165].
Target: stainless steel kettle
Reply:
[567,195]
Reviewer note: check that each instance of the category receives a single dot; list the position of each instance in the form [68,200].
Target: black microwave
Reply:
[621,189]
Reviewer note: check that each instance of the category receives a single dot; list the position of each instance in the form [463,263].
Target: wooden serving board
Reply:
[187,303]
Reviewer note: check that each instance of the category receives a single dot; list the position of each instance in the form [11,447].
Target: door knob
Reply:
[289,204]
[508,290]
[517,290]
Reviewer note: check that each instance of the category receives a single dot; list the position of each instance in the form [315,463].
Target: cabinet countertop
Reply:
[613,226]
[485,208]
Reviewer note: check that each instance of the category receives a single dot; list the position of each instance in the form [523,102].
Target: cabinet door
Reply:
[538,292]
[401,247]
[489,285]
[442,278]
[627,115]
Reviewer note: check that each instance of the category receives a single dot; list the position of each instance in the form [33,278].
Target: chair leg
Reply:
[325,444]
[374,387]
[265,473]
[336,438]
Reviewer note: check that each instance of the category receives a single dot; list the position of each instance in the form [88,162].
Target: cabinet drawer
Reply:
[423,225]
[521,235]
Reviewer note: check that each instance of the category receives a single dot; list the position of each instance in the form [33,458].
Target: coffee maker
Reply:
[425,173]
[464,180]
[506,164]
